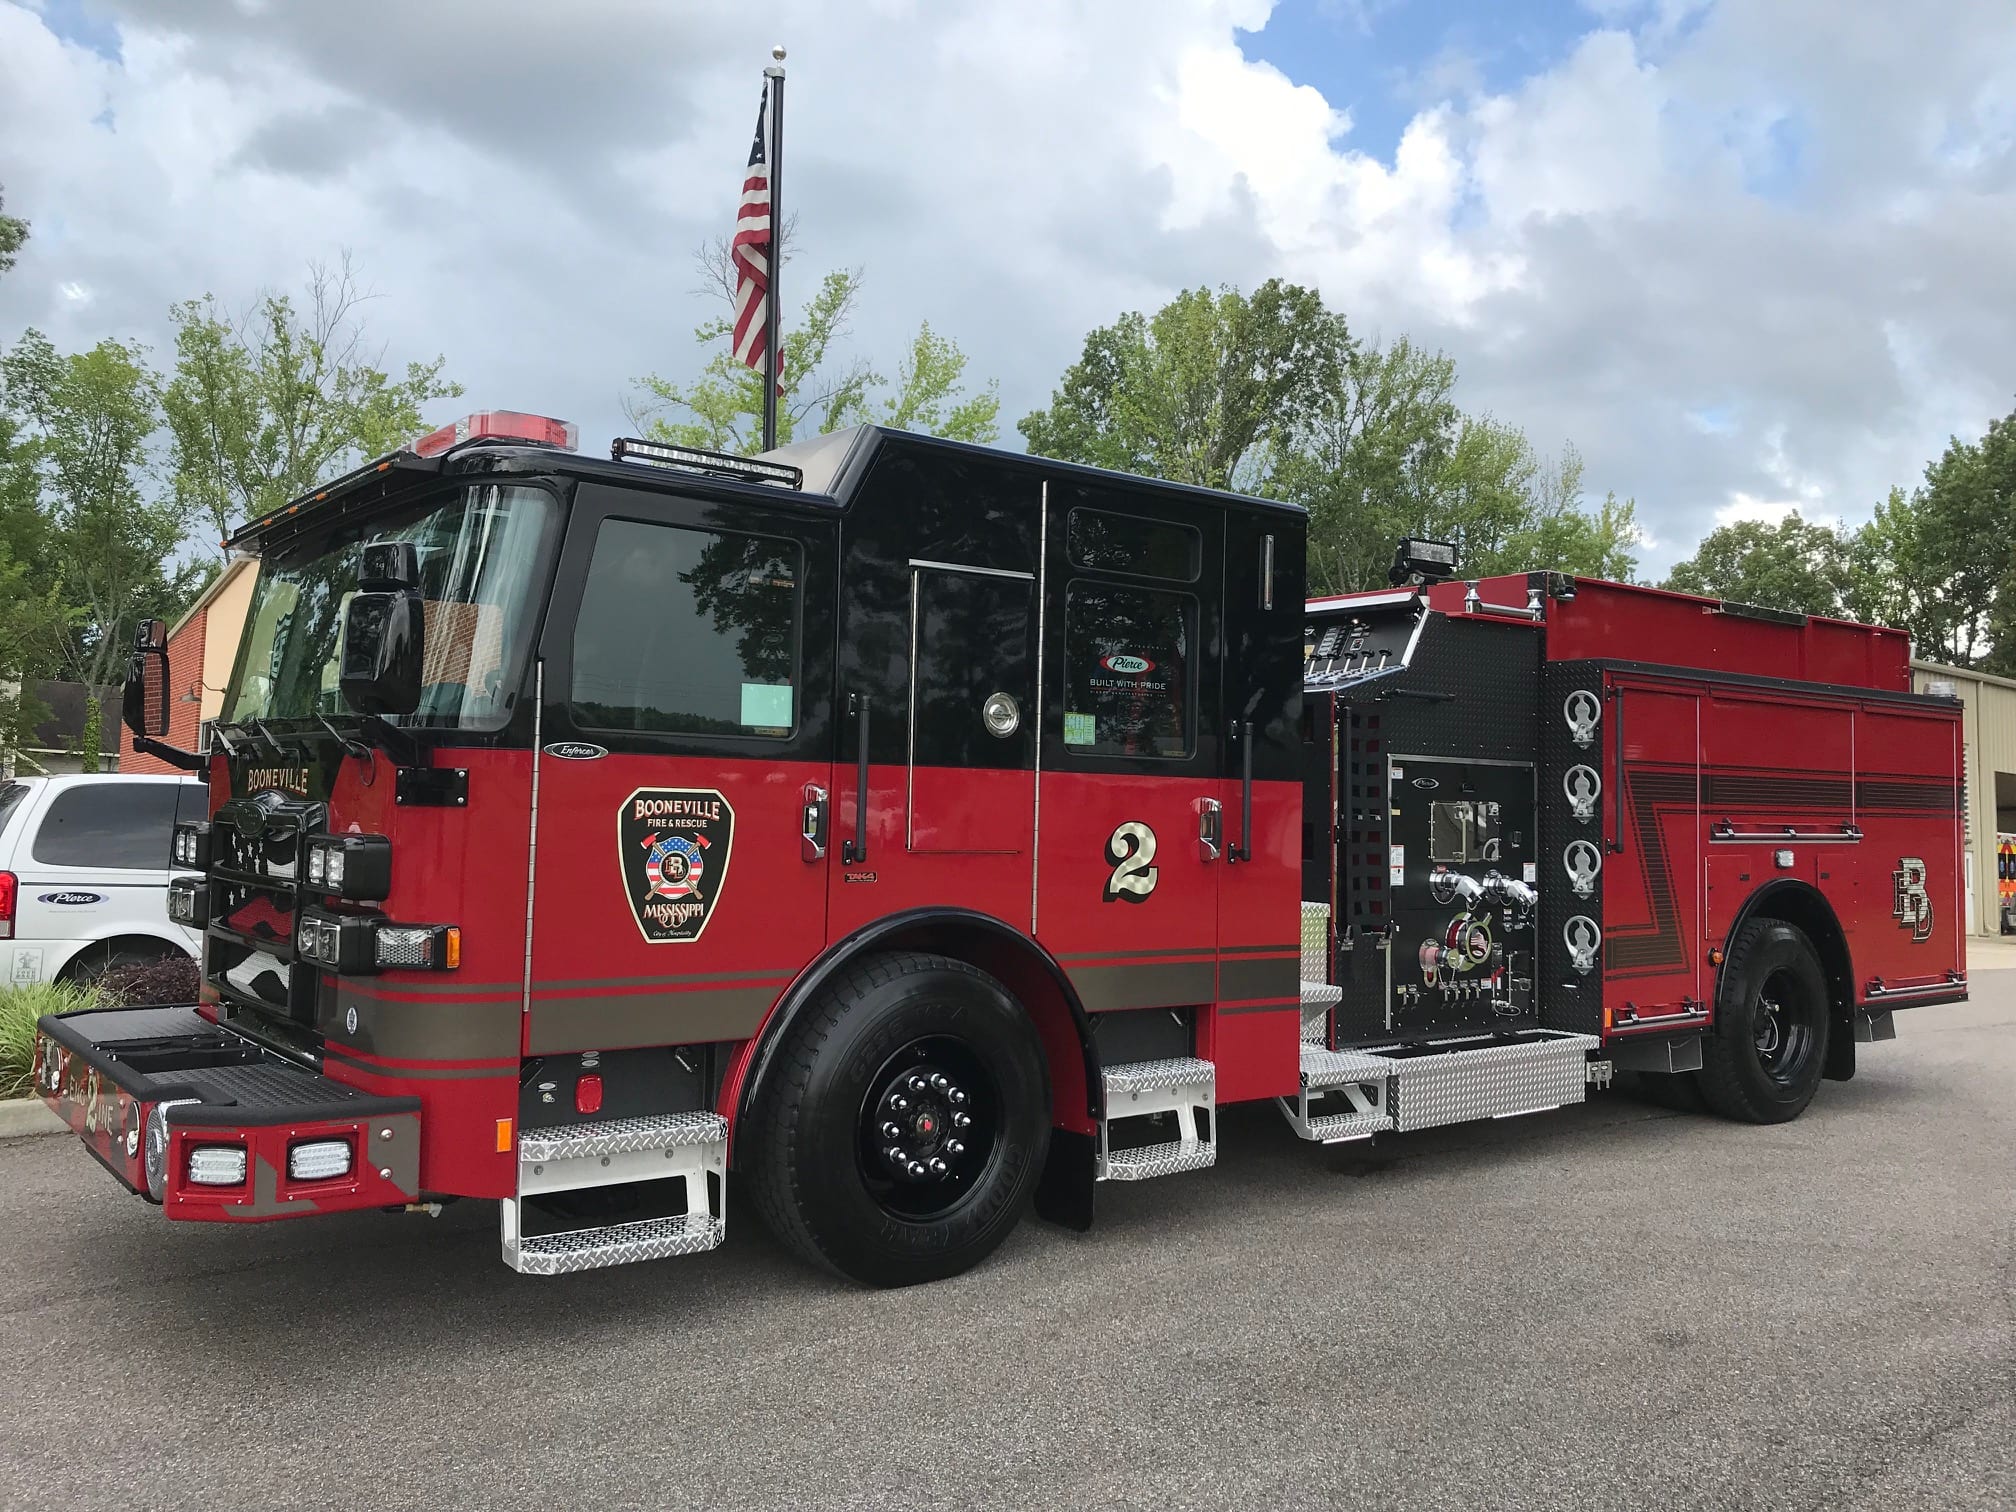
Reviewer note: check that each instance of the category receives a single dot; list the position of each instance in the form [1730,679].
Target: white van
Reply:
[84,873]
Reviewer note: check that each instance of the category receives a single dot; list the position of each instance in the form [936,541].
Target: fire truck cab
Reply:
[906,833]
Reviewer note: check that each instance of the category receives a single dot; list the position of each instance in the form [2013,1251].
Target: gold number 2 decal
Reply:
[1131,849]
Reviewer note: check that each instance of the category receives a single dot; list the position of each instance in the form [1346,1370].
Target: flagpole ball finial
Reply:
[777,52]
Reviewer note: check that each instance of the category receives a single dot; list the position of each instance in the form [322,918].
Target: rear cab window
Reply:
[109,826]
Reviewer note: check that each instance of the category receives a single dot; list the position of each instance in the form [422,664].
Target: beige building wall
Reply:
[229,599]
[1988,731]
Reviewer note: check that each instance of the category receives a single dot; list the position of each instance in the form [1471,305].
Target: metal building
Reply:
[1989,732]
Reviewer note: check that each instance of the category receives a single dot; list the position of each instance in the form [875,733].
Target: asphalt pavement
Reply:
[1604,1306]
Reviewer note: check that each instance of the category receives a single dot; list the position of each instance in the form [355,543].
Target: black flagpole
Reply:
[775,74]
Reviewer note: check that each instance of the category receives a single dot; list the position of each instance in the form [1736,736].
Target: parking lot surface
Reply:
[1605,1306]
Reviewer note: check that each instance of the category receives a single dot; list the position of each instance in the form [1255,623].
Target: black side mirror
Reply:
[380,665]
[144,700]
[388,565]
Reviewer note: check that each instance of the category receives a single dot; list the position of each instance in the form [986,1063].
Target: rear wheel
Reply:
[902,1136]
[93,961]
[1764,1060]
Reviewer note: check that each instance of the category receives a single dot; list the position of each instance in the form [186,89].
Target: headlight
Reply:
[217,1165]
[350,866]
[335,942]
[157,1147]
[318,1159]
[419,947]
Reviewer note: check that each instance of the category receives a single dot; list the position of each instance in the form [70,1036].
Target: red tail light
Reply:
[588,1094]
[10,893]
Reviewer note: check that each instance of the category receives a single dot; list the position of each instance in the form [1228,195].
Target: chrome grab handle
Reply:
[1210,828]
[812,832]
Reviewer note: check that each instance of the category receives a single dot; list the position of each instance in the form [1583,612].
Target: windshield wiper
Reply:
[259,726]
[353,748]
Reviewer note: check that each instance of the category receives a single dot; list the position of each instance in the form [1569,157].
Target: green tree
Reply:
[1791,563]
[83,423]
[262,408]
[722,409]
[1200,392]
[13,233]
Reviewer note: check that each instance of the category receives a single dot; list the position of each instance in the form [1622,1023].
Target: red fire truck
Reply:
[914,833]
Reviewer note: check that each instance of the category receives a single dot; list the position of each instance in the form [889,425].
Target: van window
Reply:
[109,824]
[11,794]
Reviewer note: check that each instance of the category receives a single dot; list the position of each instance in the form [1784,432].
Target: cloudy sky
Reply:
[1744,254]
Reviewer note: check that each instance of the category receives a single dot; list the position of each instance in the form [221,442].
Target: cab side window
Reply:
[1129,671]
[690,632]
[109,825]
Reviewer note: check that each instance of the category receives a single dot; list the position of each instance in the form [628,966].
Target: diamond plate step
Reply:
[1331,1128]
[1320,994]
[621,1136]
[1334,1068]
[618,1244]
[1455,1085]
[1135,1077]
[1149,1161]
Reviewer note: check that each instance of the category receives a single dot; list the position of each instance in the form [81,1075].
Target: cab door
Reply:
[1132,832]
[684,769]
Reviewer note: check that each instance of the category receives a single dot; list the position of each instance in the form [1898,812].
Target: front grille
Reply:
[254,901]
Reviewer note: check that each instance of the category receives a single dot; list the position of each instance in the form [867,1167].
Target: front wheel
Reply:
[903,1135]
[1763,1062]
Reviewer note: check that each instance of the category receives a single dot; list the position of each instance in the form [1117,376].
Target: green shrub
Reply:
[19,1008]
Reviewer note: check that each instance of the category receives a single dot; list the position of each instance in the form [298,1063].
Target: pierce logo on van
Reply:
[1121,661]
[71,899]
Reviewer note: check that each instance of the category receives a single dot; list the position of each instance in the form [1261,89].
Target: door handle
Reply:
[1243,851]
[812,832]
[1210,828]
[856,850]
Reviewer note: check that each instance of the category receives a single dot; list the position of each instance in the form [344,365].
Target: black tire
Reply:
[1763,1062]
[1674,1090]
[823,1171]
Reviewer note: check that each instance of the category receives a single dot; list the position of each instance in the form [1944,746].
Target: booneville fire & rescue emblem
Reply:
[674,845]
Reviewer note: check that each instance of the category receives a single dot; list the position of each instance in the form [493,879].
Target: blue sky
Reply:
[1384,60]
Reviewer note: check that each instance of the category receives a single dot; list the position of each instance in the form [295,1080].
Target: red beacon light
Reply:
[500,425]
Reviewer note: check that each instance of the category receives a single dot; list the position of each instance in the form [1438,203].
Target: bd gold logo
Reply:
[674,845]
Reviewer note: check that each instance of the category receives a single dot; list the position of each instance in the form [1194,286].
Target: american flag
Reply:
[750,249]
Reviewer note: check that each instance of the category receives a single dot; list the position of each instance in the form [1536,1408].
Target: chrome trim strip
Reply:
[1001,572]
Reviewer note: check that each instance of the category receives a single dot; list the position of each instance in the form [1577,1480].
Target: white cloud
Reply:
[1742,255]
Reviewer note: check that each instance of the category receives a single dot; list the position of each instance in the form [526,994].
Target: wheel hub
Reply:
[924,1124]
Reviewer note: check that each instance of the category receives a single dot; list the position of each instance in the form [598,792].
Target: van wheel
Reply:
[94,961]
[1764,1059]
[907,1122]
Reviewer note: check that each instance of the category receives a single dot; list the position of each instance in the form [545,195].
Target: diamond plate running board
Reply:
[691,1148]
[1183,1086]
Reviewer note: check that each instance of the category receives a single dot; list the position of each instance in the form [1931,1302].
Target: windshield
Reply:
[479,551]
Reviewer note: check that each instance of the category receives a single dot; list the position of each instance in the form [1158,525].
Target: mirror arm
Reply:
[174,755]
[401,747]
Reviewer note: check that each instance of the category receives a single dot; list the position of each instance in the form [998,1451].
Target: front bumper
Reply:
[145,1087]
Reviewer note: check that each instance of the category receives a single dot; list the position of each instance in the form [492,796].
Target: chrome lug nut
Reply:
[940,1082]
[955,1147]
[892,1131]
[961,1120]
[898,1103]
[938,1167]
[918,1169]
[916,1084]
[956,1096]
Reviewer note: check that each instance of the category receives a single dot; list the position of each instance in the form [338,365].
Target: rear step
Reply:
[687,1147]
[1186,1087]
[1352,1094]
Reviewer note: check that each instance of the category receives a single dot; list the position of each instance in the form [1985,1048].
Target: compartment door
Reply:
[1654,872]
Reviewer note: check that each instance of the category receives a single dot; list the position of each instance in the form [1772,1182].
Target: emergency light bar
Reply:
[500,425]
[721,464]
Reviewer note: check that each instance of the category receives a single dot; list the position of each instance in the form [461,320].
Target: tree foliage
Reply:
[13,233]
[1790,564]
[1273,395]
[264,406]
[1198,392]
[85,422]
[819,389]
